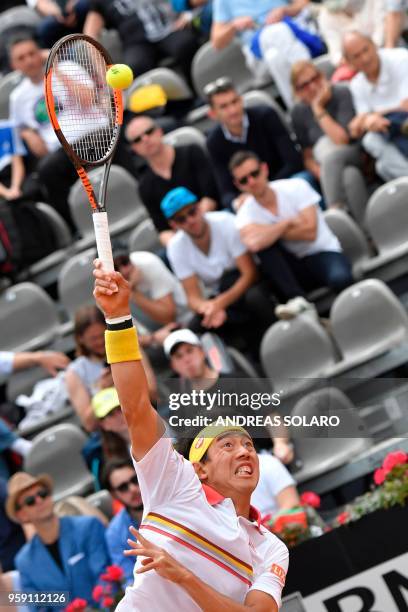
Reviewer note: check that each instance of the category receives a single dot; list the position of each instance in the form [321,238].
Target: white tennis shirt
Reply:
[200,529]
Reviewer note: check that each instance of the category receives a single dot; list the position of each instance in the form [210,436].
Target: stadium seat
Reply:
[173,83]
[28,318]
[351,238]
[209,64]
[123,203]
[58,452]
[367,320]
[75,282]
[292,351]
[144,237]
[7,84]
[387,217]
[112,43]
[103,501]
[324,64]
[185,136]
[336,445]
[258,97]
[19,16]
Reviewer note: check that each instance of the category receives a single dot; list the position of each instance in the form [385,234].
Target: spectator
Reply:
[276,488]
[395,21]
[258,128]
[120,479]
[66,554]
[149,30]
[10,441]
[12,169]
[169,167]
[207,250]
[187,359]
[320,120]
[275,42]
[380,95]
[283,225]
[338,17]
[59,18]
[115,435]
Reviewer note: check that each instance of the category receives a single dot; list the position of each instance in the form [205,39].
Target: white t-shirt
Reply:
[391,87]
[225,246]
[157,281]
[200,529]
[273,478]
[292,196]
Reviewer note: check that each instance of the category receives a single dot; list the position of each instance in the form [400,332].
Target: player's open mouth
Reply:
[244,469]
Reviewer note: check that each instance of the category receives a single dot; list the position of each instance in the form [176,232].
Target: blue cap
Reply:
[175,200]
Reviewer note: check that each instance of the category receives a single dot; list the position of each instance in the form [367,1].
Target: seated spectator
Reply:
[148,30]
[187,359]
[120,479]
[257,128]
[380,94]
[88,372]
[200,11]
[274,46]
[29,114]
[157,295]
[337,17]
[283,225]
[167,168]
[59,18]
[11,535]
[12,169]
[276,488]
[320,120]
[207,251]
[114,432]
[66,554]
[10,442]
[395,21]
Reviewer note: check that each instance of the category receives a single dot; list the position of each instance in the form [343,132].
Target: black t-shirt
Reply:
[191,169]
[54,551]
[136,20]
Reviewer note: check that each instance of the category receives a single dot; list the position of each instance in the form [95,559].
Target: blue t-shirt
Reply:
[10,144]
[227,10]
[116,535]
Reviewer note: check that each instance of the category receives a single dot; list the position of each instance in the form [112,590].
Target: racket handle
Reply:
[103,243]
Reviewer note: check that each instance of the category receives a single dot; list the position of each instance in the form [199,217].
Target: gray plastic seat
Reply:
[367,320]
[28,318]
[173,83]
[144,237]
[186,136]
[103,501]
[258,97]
[324,64]
[351,238]
[387,217]
[123,203]
[112,43]
[209,64]
[326,449]
[23,16]
[7,84]
[76,283]
[296,350]
[58,452]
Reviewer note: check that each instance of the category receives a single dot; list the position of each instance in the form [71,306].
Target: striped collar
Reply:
[213,498]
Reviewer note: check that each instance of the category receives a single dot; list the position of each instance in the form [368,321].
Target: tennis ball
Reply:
[119,76]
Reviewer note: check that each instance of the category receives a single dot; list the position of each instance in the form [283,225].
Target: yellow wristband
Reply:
[122,345]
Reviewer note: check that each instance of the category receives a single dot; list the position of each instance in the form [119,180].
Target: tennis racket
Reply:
[86,115]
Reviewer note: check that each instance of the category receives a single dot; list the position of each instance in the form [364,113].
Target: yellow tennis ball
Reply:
[119,76]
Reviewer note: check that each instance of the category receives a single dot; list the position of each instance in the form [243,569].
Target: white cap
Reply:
[180,336]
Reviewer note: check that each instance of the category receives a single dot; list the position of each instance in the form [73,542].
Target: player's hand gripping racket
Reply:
[86,115]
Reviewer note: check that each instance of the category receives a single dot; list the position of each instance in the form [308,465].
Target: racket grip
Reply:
[103,243]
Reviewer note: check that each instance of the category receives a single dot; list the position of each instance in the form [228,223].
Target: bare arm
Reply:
[310,163]
[304,226]
[80,400]
[93,25]
[222,33]
[162,310]
[257,237]
[194,295]
[34,142]
[248,275]
[330,127]
[288,498]
[49,8]
[394,21]
[51,361]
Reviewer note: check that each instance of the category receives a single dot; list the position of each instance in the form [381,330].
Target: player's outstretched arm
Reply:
[112,296]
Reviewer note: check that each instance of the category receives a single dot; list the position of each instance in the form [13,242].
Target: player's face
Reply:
[26,57]
[35,504]
[228,109]
[188,361]
[251,177]
[125,488]
[93,339]
[145,137]
[233,465]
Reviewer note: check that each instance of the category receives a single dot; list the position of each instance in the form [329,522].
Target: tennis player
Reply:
[200,545]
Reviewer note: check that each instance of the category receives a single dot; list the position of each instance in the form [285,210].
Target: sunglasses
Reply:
[182,218]
[31,499]
[313,79]
[147,132]
[124,486]
[218,86]
[254,174]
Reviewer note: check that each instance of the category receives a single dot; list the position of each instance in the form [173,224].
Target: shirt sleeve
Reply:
[360,100]
[180,264]
[303,195]
[222,11]
[231,233]
[165,476]
[6,362]
[271,578]
[159,278]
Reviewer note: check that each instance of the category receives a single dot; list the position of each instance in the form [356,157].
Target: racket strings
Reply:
[84,103]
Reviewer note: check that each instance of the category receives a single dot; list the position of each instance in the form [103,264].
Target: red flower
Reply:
[113,573]
[98,592]
[77,605]
[308,498]
[379,476]
[107,602]
[343,518]
[393,459]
